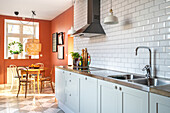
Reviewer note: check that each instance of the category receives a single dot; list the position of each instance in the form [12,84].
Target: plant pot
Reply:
[75,62]
[15,56]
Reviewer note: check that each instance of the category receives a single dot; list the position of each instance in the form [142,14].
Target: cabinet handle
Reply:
[70,73]
[70,80]
[120,88]
[70,95]
[63,71]
[86,78]
[115,87]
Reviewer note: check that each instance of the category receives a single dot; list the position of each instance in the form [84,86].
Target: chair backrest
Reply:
[24,69]
[51,72]
[40,64]
[13,70]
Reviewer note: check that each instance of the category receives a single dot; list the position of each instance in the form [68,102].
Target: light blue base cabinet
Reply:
[159,104]
[78,93]
[114,98]
[88,94]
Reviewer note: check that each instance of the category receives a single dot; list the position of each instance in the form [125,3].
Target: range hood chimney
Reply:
[93,27]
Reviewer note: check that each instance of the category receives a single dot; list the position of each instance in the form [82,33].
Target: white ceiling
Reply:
[44,9]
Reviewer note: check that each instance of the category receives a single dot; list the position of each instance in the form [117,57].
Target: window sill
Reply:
[22,59]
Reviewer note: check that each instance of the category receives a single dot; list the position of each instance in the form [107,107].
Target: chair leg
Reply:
[30,86]
[41,86]
[12,84]
[34,86]
[26,90]
[52,86]
[18,89]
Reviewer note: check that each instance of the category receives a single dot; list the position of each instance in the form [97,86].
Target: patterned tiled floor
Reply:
[34,103]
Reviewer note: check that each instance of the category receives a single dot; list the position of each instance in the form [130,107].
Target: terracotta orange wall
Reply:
[45,39]
[62,23]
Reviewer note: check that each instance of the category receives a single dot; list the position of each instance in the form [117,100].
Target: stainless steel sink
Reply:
[126,77]
[151,82]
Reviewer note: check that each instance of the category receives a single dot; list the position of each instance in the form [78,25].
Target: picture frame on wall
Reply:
[60,52]
[54,42]
[60,38]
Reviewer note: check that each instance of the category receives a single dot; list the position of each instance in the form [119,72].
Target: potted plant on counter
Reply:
[75,56]
[15,48]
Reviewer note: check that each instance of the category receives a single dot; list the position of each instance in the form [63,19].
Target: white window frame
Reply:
[21,36]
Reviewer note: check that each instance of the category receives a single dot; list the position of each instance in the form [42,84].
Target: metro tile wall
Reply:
[141,23]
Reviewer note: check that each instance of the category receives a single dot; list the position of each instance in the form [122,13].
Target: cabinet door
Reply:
[72,98]
[88,95]
[56,71]
[109,97]
[134,101]
[159,104]
[60,85]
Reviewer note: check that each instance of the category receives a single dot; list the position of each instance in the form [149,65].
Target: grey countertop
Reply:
[102,74]
[161,90]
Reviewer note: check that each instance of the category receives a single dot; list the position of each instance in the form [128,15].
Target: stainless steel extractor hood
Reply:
[93,27]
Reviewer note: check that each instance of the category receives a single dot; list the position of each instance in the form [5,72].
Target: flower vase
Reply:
[15,56]
[75,62]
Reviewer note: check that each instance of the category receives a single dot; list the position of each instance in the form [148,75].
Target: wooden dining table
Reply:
[34,71]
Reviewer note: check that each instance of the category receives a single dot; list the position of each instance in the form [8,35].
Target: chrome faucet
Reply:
[147,68]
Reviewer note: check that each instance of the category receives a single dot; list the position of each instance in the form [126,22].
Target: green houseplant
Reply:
[15,52]
[75,56]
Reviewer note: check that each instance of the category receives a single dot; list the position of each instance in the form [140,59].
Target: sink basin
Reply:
[126,77]
[151,81]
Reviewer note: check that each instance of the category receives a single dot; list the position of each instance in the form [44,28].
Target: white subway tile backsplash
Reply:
[165,18]
[149,16]
[148,27]
[154,20]
[167,24]
[154,8]
[164,30]
[160,13]
[149,4]
[167,74]
[140,7]
[154,32]
[143,1]
[136,3]
[160,62]
[159,37]
[160,25]
[164,43]
[167,10]
[132,10]
[159,1]
[167,62]
[143,12]
[165,5]
[141,23]
[124,3]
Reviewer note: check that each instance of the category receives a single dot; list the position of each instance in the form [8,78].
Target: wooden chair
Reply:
[13,74]
[41,65]
[47,78]
[24,81]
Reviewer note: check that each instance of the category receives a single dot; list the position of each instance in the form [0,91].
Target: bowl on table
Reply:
[34,66]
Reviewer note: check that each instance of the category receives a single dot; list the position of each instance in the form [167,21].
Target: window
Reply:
[15,31]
